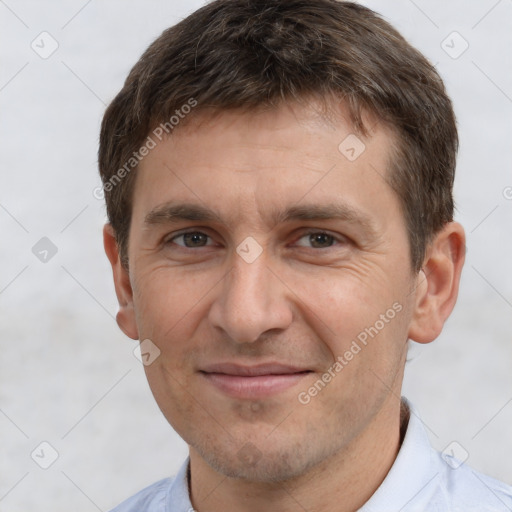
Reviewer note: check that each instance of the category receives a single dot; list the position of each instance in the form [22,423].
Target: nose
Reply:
[252,300]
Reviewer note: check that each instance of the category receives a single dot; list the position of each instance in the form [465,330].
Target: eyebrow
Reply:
[323,212]
[171,212]
[168,213]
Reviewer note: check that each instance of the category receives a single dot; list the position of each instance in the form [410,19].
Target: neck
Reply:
[343,482]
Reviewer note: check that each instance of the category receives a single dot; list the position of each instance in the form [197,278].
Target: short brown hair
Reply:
[248,54]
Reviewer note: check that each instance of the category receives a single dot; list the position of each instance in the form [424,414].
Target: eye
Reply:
[191,240]
[318,240]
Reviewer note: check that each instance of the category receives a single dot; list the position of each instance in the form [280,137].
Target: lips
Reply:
[251,382]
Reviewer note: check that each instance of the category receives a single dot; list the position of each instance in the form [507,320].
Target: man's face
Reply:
[244,336]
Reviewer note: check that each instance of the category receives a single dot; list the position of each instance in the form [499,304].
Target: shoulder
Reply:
[423,479]
[150,499]
[465,489]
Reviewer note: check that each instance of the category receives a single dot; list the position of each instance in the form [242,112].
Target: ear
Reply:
[437,283]
[126,315]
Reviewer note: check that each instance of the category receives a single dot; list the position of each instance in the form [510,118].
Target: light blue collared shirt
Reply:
[421,479]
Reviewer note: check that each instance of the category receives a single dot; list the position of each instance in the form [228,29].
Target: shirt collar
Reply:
[413,471]
[178,497]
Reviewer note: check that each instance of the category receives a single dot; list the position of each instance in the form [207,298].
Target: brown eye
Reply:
[321,240]
[317,240]
[191,239]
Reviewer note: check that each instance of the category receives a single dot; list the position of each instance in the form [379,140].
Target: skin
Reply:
[301,302]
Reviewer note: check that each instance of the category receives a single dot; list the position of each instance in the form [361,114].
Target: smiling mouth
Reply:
[251,382]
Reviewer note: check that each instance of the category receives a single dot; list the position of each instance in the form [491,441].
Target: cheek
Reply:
[361,315]
[349,300]
[168,302]
[169,386]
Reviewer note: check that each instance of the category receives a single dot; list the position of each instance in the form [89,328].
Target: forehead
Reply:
[265,161]
[272,126]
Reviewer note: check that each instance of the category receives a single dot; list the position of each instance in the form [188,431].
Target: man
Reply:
[278,179]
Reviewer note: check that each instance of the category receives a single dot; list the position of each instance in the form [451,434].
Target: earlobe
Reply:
[437,283]
[126,315]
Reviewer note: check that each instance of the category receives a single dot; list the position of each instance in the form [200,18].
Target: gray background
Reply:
[68,375]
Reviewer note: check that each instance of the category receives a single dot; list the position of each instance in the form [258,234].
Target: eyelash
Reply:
[336,238]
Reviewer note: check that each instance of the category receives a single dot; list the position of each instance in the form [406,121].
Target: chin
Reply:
[266,465]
